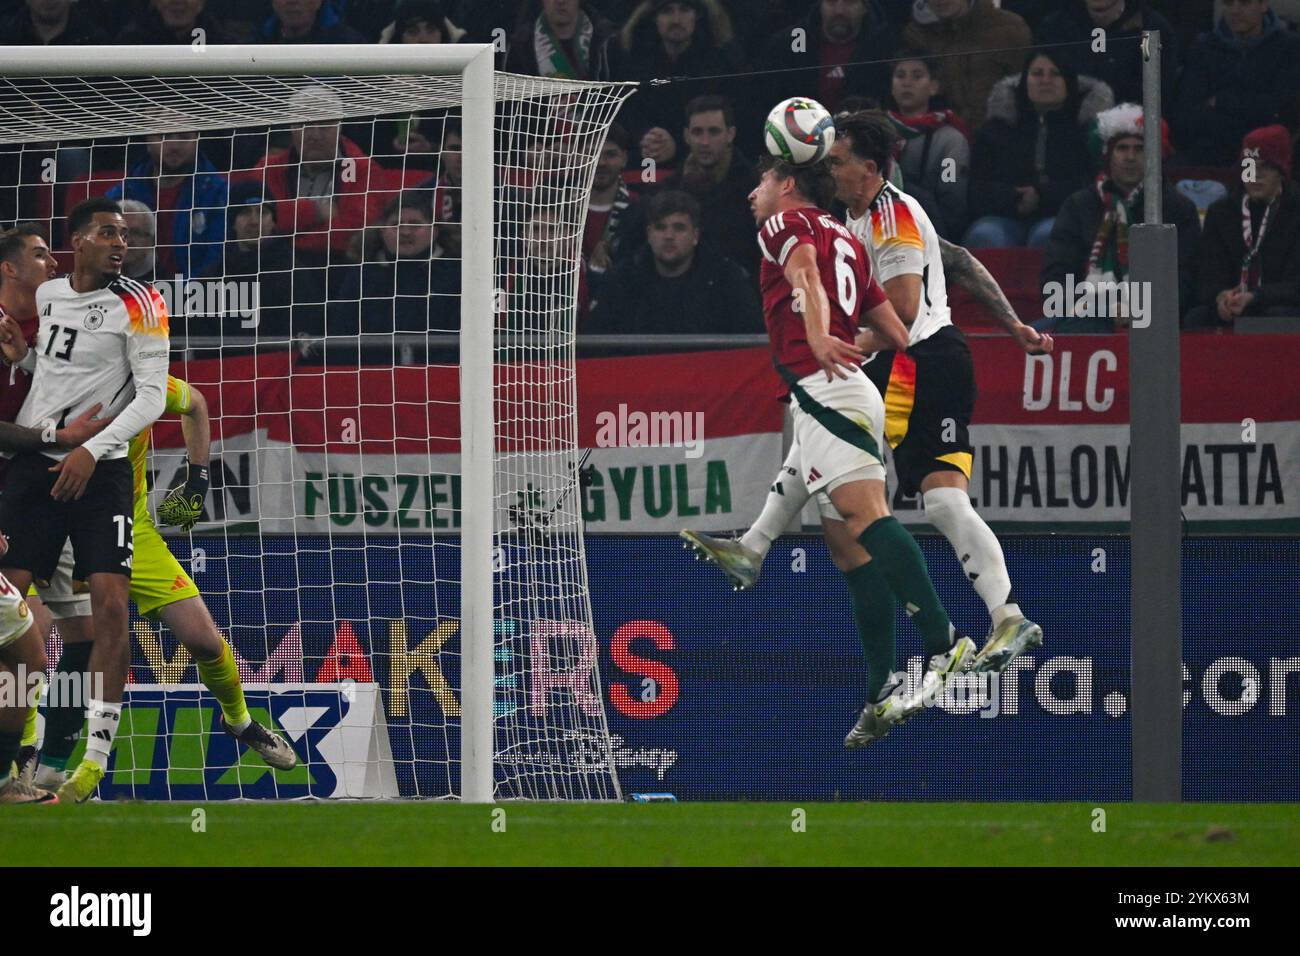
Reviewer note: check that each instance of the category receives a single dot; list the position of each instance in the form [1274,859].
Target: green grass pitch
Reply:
[726,834]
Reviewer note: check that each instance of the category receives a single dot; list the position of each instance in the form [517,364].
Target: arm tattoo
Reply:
[969,273]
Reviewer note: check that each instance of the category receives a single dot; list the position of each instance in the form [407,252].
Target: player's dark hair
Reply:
[13,242]
[813,180]
[710,103]
[871,134]
[671,202]
[84,211]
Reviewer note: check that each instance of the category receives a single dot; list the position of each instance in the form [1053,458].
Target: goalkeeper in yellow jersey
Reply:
[162,590]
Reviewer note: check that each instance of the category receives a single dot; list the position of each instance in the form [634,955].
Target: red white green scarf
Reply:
[1109,256]
[552,61]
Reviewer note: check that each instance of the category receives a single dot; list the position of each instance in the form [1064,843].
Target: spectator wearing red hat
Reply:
[1090,238]
[1250,254]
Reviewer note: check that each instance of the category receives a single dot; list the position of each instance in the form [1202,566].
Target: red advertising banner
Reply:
[695,439]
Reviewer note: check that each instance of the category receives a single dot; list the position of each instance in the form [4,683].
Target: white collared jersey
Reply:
[901,240]
[108,347]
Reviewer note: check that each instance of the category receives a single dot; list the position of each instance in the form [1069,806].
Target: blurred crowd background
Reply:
[1016,129]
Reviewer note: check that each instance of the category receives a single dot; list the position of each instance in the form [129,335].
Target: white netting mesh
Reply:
[329,553]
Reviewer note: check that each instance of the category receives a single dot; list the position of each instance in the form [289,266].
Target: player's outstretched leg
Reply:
[193,626]
[737,562]
[741,559]
[948,508]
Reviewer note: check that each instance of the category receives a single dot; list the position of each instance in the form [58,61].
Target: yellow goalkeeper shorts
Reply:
[157,578]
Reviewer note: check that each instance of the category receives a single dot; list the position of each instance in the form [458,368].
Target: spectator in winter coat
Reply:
[936,151]
[188,194]
[175,21]
[404,282]
[322,184]
[304,21]
[615,226]
[1250,251]
[960,32]
[1119,64]
[421,21]
[1243,75]
[564,39]
[815,61]
[665,38]
[1090,238]
[1032,151]
[720,179]
[50,23]
[676,285]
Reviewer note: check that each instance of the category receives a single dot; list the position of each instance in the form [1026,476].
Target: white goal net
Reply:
[307,233]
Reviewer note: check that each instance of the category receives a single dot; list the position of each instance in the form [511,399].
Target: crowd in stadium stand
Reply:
[1020,139]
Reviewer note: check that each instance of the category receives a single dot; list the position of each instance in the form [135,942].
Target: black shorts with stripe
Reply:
[929,399]
[99,522]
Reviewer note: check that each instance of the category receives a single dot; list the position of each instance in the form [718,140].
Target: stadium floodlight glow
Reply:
[534,611]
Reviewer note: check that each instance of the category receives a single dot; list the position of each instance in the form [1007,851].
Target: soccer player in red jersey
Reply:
[817,289]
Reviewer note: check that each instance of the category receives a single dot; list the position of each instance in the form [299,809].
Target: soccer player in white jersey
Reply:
[160,586]
[929,394]
[103,339]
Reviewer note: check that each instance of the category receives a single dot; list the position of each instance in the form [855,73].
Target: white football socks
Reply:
[785,499]
[103,720]
[977,547]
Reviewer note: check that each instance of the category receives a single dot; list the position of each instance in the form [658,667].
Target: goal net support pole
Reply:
[1155,459]
[478,437]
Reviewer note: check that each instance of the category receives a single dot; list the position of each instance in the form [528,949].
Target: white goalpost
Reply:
[475,625]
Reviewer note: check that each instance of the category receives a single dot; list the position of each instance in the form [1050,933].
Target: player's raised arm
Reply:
[834,355]
[183,505]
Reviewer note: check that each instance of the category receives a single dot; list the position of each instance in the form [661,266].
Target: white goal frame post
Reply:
[475,64]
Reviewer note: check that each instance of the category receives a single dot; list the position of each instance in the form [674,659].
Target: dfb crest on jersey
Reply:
[94,318]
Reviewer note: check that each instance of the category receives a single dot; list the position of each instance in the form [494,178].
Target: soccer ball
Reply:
[799,131]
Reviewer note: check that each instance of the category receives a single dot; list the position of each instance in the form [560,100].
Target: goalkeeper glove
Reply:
[183,505]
